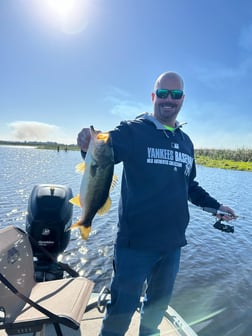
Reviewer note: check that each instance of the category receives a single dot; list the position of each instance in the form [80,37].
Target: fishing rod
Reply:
[219,225]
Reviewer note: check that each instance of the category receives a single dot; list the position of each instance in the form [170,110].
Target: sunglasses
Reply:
[164,93]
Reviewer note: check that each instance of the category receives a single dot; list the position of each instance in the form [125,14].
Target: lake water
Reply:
[215,277]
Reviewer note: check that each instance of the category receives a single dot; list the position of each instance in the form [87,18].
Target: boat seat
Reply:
[26,305]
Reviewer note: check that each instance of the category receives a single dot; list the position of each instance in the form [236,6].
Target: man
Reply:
[158,180]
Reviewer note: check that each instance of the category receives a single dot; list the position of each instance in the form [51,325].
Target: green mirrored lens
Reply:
[163,93]
[176,94]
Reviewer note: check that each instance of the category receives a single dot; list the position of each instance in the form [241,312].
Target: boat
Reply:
[48,220]
[172,324]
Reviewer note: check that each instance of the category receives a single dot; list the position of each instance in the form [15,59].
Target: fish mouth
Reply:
[103,137]
[100,136]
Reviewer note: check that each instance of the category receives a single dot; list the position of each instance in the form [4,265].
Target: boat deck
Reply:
[92,321]
[91,324]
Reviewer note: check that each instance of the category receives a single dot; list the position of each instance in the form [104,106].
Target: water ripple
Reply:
[215,271]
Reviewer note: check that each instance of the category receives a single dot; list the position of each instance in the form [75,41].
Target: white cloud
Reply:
[123,106]
[128,109]
[216,75]
[246,38]
[32,131]
[222,140]
[216,125]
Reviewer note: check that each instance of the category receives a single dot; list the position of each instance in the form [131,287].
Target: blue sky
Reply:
[68,64]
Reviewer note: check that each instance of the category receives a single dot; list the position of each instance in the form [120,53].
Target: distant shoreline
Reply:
[40,145]
[237,159]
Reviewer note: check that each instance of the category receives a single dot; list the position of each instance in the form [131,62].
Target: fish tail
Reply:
[84,231]
[75,225]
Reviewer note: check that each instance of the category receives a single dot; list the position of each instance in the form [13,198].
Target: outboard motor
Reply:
[48,220]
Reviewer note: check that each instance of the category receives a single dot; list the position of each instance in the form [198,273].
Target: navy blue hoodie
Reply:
[158,180]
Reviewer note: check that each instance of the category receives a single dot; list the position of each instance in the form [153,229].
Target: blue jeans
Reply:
[132,268]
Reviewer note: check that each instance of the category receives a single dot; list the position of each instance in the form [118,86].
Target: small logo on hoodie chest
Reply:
[169,157]
[174,145]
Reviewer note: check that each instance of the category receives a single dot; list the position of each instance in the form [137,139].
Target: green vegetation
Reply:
[41,145]
[240,159]
[59,147]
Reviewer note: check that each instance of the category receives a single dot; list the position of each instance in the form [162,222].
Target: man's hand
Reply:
[226,213]
[83,139]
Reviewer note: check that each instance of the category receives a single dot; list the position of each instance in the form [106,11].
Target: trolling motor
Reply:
[49,217]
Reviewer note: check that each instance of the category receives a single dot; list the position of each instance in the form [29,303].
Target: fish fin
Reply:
[75,225]
[114,182]
[84,231]
[76,200]
[105,208]
[80,167]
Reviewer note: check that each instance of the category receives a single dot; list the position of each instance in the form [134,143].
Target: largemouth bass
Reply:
[96,181]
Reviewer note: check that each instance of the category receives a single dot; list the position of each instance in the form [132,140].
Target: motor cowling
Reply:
[49,217]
